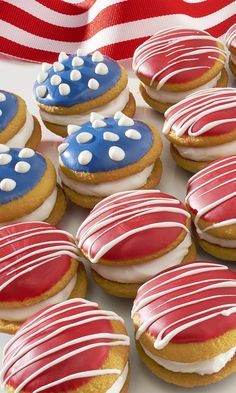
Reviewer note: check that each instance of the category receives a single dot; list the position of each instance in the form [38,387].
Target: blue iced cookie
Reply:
[69,89]
[109,155]
[18,128]
[28,188]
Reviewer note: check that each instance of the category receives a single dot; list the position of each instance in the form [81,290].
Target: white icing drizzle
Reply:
[71,128]
[163,42]
[75,75]
[97,57]
[26,152]
[64,89]
[85,157]
[116,153]
[41,91]
[2,97]
[57,66]
[230,36]
[55,80]
[101,69]
[225,309]
[110,136]
[84,137]
[34,251]
[181,119]
[5,158]
[93,84]
[77,61]
[224,163]
[123,215]
[22,167]
[76,320]
[7,185]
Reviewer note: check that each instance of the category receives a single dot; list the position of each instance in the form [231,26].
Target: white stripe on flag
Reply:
[56,18]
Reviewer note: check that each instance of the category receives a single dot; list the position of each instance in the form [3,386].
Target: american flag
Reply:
[36,30]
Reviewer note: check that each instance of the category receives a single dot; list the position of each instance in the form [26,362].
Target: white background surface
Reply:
[18,77]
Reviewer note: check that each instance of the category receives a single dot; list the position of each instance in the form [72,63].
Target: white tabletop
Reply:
[18,77]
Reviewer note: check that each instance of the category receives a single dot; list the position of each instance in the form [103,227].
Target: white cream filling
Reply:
[209,366]
[103,189]
[106,110]
[41,213]
[24,134]
[142,272]
[228,243]
[118,385]
[172,96]
[233,58]
[22,313]
[207,153]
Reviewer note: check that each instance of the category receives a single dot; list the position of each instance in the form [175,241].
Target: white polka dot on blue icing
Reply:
[19,176]
[109,149]
[83,89]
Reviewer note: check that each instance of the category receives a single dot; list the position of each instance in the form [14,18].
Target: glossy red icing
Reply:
[163,49]
[91,359]
[211,186]
[142,243]
[206,113]
[180,297]
[17,244]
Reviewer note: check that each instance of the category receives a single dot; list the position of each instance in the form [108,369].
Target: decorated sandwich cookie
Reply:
[18,128]
[185,324]
[29,252]
[28,187]
[69,89]
[202,128]
[211,200]
[108,155]
[176,62]
[230,38]
[131,236]
[70,347]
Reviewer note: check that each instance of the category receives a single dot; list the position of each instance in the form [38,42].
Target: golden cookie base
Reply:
[162,107]
[226,254]
[90,201]
[129,291]
[185,163]
[129,110]
[59,208]
[187,380]
[36,136]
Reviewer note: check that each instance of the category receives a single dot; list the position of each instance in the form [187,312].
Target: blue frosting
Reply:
[24,181]
[8,109]
[79,91]
[101,162]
